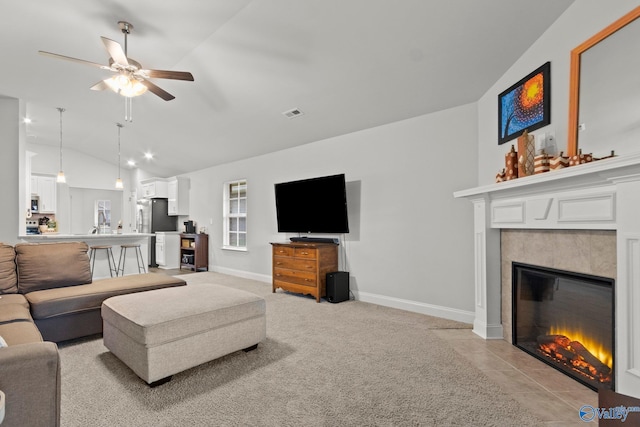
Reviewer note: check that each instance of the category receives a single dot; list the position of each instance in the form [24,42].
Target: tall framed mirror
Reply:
[604,90]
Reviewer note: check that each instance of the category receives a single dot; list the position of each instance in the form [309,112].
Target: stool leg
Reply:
[111,261]
[92,260]
[121,258]
[140,260]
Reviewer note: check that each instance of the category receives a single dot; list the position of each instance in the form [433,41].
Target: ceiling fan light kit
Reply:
[125,86]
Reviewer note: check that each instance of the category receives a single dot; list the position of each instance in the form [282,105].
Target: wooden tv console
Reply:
[303,267]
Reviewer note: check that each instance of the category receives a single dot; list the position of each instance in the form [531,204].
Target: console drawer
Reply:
[308,253]
[294,264]
[282,251]
[306,278]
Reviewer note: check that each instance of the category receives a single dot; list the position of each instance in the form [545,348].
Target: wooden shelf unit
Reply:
[303,267]
[194,251]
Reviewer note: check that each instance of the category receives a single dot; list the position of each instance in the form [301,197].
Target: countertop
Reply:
[52,236]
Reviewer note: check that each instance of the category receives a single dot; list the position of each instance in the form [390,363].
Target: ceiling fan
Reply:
[130,79]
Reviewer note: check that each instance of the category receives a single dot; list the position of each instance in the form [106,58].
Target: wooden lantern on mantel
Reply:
[511,165]
[526,154]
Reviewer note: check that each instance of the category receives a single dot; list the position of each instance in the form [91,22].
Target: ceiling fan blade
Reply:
[69,58]
[115,51]
[157,90]
[101,85]
[167,74]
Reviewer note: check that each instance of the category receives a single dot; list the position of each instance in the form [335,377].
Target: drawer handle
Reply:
[278,263]
[305,253]
[278,274]
[307,280]
[280,251]
[309,266]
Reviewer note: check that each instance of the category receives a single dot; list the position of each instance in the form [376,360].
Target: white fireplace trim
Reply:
[593,208]
[603,195]
[629,357]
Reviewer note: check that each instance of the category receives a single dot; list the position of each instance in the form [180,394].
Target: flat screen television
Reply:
[316,205]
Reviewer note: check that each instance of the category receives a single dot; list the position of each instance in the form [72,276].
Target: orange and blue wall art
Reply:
[526,105]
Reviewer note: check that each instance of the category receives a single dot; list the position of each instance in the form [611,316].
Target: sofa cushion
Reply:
[14,313]
[13,299]
[50,303]
[8,276]
[20,333]
[52,265]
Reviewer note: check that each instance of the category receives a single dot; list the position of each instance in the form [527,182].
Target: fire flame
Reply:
[596,348]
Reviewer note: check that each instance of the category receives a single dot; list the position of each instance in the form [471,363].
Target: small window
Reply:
[235,215]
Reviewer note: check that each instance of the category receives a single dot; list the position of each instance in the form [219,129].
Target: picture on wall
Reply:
[526,105]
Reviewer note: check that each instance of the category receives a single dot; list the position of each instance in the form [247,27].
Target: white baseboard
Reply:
[244,274]
[417,307]
[402,304]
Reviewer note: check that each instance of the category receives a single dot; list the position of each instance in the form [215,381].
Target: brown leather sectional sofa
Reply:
[47,296]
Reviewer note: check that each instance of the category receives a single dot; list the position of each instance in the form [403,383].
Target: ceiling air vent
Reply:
[295,112]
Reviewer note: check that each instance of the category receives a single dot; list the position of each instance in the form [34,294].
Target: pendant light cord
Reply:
[120,126]
[61,111]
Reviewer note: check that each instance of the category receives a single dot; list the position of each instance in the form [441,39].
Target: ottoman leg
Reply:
[160,381]
[253,347]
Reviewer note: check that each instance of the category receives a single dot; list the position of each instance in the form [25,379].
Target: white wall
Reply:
[410,243]
[83,172]
[12,134]
[580,21]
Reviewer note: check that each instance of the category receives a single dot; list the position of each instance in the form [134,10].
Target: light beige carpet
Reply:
[346,364]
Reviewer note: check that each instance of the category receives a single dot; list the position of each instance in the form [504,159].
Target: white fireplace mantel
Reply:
[603,195]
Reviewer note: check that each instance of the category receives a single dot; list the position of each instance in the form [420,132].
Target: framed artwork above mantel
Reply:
[526,105]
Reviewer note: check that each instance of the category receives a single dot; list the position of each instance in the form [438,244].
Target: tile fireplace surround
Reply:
[591,215]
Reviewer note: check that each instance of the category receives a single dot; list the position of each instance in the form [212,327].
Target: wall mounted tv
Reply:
[316,205]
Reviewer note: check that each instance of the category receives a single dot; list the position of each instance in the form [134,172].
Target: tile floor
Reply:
[551,395]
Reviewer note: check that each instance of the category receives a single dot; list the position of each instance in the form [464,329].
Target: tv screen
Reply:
[316,205]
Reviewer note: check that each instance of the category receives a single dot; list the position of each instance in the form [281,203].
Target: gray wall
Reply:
[411,241]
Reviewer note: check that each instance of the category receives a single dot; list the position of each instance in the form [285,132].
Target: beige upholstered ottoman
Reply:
[162,332]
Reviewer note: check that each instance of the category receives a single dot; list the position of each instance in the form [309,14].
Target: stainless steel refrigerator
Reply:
[153,216]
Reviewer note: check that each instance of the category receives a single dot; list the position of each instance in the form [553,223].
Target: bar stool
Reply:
[110,259]
[123,256]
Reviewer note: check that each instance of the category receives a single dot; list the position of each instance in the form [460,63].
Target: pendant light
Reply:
[61,178]
[119,184]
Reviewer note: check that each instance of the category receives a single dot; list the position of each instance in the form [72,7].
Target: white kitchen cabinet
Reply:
[168,249]
[160,255]
[45,188]
[154,187]
[178,191]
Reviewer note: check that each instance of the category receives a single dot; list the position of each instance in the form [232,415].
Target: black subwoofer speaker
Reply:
[337,286]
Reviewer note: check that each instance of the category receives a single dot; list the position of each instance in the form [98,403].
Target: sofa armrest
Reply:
[30,380]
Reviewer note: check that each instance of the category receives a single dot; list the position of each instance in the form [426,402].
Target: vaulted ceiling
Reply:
[346,64]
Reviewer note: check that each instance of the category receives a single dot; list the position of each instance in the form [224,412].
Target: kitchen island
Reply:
[115,240]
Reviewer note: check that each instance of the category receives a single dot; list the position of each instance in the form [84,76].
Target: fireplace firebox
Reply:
[566,319]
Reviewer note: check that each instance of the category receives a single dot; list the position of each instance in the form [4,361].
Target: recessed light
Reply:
[26,120]
[131,163]
[148,156]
